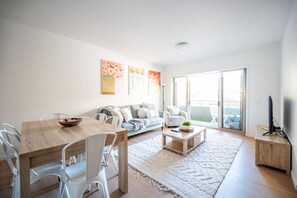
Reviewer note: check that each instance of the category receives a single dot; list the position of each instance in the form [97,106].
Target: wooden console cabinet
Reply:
[273,150]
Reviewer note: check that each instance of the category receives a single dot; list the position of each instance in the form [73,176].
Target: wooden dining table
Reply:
[42,142]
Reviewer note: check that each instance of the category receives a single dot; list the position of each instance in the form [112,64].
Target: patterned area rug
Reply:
[199,174]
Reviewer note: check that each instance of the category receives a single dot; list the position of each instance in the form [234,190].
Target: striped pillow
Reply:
[126,114]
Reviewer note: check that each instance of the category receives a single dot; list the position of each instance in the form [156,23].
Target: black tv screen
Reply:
[270,115]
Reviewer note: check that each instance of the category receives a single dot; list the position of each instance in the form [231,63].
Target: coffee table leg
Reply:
[185,147]
[164,140]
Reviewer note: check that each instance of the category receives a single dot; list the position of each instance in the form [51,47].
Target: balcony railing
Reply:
[205,112]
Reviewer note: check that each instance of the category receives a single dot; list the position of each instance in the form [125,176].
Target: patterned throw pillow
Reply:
[152,114]
[126,114]
[142,112]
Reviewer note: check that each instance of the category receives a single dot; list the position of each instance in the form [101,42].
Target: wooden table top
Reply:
[38,136]
[184,135]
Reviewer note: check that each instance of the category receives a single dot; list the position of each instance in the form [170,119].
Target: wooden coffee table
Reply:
[184,142]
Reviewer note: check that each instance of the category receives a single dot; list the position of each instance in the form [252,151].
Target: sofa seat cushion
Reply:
[154,121]
[128,126]
[176,120]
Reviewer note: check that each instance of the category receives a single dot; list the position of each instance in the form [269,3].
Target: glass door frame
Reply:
[220,97]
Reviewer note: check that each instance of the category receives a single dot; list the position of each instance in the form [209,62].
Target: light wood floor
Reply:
[244,179]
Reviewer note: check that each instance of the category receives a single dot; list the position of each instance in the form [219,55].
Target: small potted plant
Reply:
[186,126]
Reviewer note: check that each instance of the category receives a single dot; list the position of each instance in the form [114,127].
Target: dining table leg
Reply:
[123,164]
[25,188]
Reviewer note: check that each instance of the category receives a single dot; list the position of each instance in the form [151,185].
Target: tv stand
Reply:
[270,133]
[273,150]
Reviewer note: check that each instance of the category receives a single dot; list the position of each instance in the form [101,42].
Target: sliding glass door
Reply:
[233,99]
[204,99]
[215,100]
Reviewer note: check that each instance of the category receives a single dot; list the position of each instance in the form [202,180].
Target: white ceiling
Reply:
[149,29]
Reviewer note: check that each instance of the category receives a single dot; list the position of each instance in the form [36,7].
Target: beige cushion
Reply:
[142,112]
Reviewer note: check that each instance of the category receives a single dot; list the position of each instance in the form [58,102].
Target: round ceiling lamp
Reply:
[181,45]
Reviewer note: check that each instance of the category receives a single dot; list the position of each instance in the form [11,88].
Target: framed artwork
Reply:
[154,84]
[112,78]
[136,81]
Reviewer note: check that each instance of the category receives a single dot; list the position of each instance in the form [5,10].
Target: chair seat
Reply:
[45,170]
[176,119]
[77,171]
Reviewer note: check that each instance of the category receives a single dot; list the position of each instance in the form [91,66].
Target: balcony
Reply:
[205,113]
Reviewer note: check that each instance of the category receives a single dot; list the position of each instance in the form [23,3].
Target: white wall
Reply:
[289,86]
[263,79]
[42,72]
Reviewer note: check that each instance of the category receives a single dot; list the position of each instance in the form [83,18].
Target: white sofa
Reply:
[174,117]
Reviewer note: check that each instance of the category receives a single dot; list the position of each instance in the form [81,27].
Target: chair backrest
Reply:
[54,116]
[113,120]
[173,110]
[6,147]
[100,116]
[214,110]
[94,147]
[10,128]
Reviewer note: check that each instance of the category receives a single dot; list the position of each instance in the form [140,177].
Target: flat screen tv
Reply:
[271,127]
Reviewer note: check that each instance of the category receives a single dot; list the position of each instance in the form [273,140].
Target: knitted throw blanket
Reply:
[139,123]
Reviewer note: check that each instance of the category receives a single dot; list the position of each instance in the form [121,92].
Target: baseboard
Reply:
[294,178]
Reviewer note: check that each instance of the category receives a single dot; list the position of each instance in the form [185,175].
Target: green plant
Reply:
[187,123]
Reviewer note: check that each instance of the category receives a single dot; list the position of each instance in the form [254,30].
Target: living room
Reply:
[51,61]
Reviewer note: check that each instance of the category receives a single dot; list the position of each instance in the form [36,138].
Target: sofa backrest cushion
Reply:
[149,106]
[134,110]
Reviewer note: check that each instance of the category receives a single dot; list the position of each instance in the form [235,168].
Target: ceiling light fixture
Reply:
[181,45]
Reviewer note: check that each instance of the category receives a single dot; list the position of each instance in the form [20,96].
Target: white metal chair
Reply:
[52,169]
[54,116]
[113,120]
[214,113]
[100,116]
[78,177]
[10,128]
[108,150]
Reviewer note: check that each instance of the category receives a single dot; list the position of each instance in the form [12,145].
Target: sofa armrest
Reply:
[184,114]
[161,114]
[166,117]
[121,122]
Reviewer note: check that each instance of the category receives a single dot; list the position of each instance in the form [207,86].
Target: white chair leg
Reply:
[61,189]
[103,180]
[114,161]
[80,157]
[12,181]
[72,159]
[16,188]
